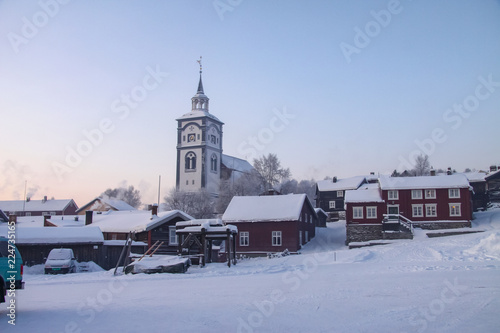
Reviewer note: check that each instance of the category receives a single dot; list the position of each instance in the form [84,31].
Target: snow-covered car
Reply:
[60,261]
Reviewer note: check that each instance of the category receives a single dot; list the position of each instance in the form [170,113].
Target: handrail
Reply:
[402,220]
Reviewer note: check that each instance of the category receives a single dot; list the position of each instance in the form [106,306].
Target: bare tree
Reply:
[422,166]
[199,205]
[269,167]
[130,195]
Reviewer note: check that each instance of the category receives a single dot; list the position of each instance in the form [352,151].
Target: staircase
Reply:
[397,226]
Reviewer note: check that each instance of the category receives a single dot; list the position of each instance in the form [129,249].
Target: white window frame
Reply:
[419,212]
[173,239]
[454,193]
[371,212]
[331,204]
[340,194]
[416,194]
[455,209]
[430,210]
[244,238]
[276,238]
[28,214]
[307,236]
[393,195]
[357,212]
[431,194]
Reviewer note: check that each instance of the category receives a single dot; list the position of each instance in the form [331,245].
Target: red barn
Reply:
[271,224]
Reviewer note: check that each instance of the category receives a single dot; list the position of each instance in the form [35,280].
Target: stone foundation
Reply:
[363,232]
[442,225]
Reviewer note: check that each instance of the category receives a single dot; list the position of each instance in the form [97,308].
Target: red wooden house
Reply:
[401,203]
[271,224]
[30,207]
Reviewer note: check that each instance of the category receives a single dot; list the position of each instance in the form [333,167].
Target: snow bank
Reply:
[489,247]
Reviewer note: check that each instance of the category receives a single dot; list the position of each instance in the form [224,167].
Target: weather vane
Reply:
[199,61]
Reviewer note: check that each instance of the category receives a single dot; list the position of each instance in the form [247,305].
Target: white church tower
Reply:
[199,146]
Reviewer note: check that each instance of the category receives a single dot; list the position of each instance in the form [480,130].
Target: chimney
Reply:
[45,222]
[449,172]
[493,168]
[372,173]
[334,179]
[13,218]
[28,199]
[88,217]
[44,199]
[154,209]
[433,172]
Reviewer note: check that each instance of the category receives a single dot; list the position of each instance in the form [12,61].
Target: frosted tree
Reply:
[270,170]
[199,204]
[422,166]
[130,195]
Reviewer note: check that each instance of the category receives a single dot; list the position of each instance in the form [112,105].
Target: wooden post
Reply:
[210,241]
[204,245]
[228,248]
[121,254]
[234,249]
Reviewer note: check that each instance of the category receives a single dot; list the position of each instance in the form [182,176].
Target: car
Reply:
[11,268]
[60,261]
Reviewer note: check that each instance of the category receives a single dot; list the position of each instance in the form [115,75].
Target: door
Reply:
[393,212]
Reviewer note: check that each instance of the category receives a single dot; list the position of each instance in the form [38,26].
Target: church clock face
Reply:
[191,138]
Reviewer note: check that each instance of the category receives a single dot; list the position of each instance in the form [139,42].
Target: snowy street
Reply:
[443,284]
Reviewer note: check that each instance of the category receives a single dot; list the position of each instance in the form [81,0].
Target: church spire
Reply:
[200,84]
[200,100]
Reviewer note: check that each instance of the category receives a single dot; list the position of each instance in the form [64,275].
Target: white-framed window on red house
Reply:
[371,212]
[276,238]
[357,212]
[455,209]
[417,210]
[430,194]
[454,193]
[393,195]
[244,238]
[431,210]
[416,194]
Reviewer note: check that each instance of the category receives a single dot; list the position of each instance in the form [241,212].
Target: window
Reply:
[192,182]
[307,236]
[28,214]
[213,163]
[300,238]
[173,239]
[431,210]
[357,212]
[53,213]
[371,212]
[340,194]
[244,238]
[310,219]
[454,193]
[393,195]
[430,194]
[276,238]
[418,210]
[332,204]
[416,194]
[455,209]
[190,163]
[43,214]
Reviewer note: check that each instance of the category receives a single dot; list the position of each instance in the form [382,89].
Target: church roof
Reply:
[235,163]
[200,87]
[199,114]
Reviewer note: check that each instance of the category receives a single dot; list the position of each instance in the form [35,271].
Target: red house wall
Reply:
[381,210]
[442,200]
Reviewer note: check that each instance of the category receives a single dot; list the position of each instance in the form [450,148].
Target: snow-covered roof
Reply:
[133,221]
[198,114]
[367,194]
[34,205]
[265,208]
[475,176]
[492,174]
[424,182]
[351,183]
[54,235]
[115,204]
[237,164]
[319,210]
[198,222]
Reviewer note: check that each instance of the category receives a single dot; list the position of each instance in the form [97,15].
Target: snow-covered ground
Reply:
[445,284]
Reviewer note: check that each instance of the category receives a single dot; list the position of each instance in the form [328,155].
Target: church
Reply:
[200,161]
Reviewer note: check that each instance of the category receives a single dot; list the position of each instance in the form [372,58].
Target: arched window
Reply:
[190,161]
[213,162]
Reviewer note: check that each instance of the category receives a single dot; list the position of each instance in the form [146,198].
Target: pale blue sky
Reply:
[350,117]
